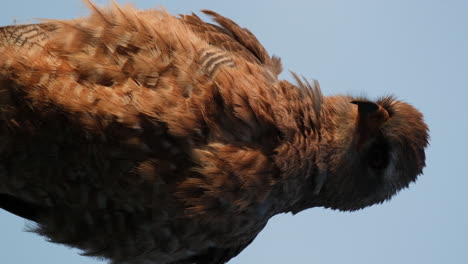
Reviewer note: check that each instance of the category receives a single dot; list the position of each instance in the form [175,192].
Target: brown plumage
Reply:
[147,138]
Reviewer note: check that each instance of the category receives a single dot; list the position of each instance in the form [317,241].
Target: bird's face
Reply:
[377,150]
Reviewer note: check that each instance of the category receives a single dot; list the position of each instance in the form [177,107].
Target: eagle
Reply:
[143,137]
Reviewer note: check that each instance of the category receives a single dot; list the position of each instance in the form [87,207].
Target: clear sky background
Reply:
[416,50]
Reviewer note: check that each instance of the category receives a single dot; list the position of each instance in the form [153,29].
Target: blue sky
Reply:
[416,50]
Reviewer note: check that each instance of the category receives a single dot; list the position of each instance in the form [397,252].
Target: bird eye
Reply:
[378,155]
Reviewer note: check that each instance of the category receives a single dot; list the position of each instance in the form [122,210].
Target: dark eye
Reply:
[378,155]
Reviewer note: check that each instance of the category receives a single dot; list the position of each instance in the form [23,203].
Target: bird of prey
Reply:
[142,137]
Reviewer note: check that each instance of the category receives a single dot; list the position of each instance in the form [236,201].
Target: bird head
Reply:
[377,148]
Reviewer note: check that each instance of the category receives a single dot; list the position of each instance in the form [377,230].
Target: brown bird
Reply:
[142,137]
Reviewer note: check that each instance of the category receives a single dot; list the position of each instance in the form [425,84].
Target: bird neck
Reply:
[303,160]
